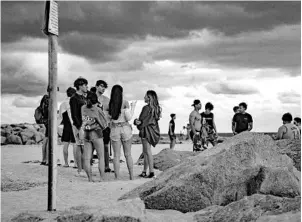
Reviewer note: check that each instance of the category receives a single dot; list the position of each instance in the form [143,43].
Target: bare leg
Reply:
[75,155]
[149,157]
[79,158]
[172,144]
[116,159]
[65,152]
[98,144]
[44,150]
[146,163]
[87,157]
[127,152]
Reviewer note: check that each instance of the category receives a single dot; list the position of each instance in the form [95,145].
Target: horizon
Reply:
[219,52]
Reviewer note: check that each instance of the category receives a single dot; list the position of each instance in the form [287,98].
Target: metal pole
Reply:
[52,121]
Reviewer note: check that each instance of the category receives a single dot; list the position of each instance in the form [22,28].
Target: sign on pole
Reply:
[51,28]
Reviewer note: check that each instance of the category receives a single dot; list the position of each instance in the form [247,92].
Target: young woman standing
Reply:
[149,132]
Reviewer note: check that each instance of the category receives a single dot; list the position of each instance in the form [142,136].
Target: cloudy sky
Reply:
[222,52]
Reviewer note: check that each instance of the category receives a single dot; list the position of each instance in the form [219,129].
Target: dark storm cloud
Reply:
[100,21]
[231,89]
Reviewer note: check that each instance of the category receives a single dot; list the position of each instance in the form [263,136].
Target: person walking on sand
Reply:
[149,132]
[65,119]
[76,102]
[94,122]
[103,100]
[121,113]
[195,124]
[171,131]
[297,122]
[287,130]
[243,121]
[209,123]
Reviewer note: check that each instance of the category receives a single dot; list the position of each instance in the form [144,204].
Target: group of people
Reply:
[91,121]
[202,128]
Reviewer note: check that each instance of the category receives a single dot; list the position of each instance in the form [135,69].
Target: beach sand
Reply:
[71,190]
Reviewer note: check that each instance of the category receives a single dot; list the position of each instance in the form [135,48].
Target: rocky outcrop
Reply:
[253,208]
[244,165]
[291,148]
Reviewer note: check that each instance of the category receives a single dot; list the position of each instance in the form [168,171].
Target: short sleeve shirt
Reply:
[242,121]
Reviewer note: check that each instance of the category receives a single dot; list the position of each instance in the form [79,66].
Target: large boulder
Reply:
[27,134]
[3,140]
[238,167]
[286,217]
[168,158]
[252,208]
[39,137]
[291,148]
[14,139]
[6,131]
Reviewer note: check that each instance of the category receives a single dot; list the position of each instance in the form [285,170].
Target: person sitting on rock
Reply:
[297,122]
[287,130]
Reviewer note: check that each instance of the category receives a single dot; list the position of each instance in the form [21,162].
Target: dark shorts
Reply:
[172,137]
[106,135]
[89,136]
[46,130]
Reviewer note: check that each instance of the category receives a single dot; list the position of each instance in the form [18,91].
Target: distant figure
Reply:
[209,123]
[66,120]
[195,123]
[236,110]
[242,121]
[297,122]
[103,100]
[183,133]
[93,89]
[148,127]
[171,131]
[188,128]
[287,130]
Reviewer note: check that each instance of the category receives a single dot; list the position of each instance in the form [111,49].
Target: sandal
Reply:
[151,175]
[143,174]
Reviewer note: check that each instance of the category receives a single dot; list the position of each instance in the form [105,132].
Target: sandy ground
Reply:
[71,190]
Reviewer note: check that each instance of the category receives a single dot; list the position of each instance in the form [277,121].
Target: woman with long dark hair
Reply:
[121,131]
[149,132]
[93,124]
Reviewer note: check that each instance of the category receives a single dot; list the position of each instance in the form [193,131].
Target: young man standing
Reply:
[172,131]
[76,102]
[195,123]
[288,130]
[242,121]
[209,124]
[297,122]
[101,87]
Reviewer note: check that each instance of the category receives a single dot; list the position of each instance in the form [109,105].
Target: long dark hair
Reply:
[155,107]
[92,99]
[116,101]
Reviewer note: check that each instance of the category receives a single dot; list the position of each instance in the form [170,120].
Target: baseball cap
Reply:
[196,102]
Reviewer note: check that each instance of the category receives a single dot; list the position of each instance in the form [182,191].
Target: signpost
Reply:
[51,28]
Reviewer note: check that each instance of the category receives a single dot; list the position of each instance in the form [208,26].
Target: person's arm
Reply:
[234,124]
[250,124]
[60,117]
[191,121]
[214,125]
[280,133]
[75,113]
[171,132]
[130,112]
